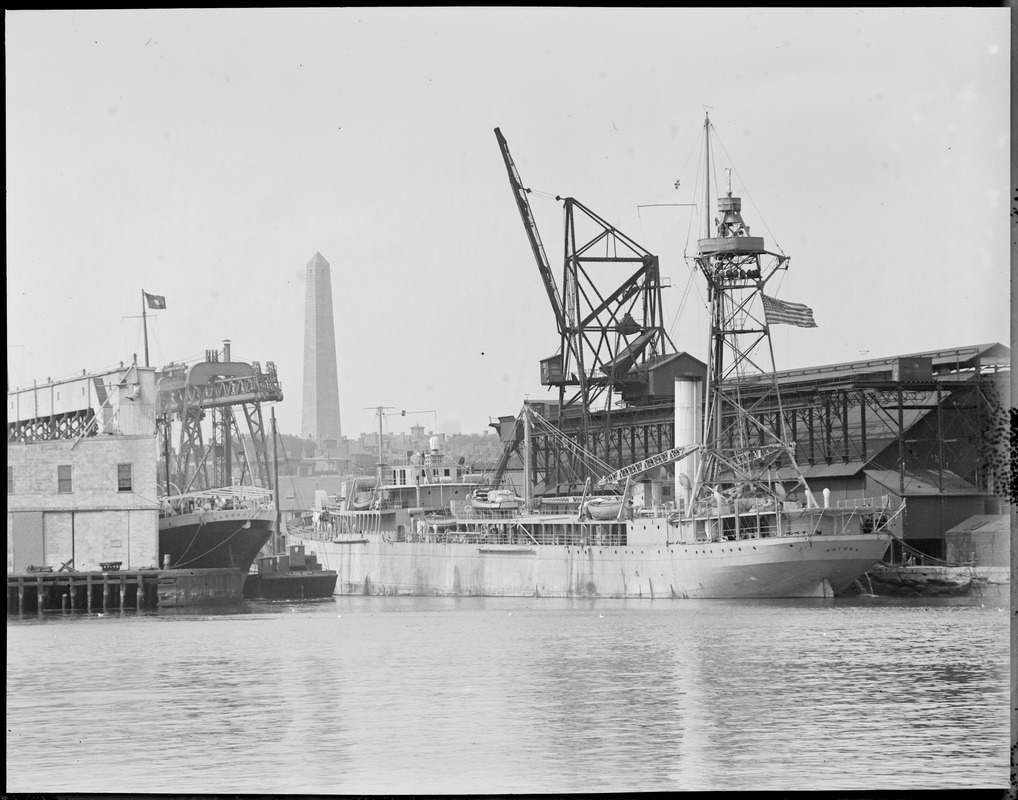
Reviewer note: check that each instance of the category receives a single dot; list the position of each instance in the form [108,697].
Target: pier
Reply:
[113,589]
[82,591]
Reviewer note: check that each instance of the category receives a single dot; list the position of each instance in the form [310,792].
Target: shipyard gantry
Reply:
[220,391]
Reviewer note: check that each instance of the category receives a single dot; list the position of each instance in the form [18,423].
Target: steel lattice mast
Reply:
[740,448]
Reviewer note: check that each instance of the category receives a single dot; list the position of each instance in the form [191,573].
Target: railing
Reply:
[227,497]
[884,501]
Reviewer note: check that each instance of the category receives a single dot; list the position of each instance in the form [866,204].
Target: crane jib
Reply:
[667,457]
[520,193]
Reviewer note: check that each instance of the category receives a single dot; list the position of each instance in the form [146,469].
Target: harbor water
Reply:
[478,695]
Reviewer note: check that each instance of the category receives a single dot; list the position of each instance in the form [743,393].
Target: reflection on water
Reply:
[445,695]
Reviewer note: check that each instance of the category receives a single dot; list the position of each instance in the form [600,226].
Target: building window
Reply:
[10,480]
[124,481]
[64,478]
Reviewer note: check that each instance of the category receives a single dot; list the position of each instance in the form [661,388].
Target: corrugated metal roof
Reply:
[659,361]
[838,469]
[983,523]
[964,357]
[923,482]
[815,472]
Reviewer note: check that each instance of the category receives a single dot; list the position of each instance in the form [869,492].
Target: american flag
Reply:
[778,312]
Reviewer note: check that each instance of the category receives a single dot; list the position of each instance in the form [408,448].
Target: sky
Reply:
[207,155]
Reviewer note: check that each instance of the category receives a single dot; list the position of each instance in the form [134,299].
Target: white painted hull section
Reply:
[786,566]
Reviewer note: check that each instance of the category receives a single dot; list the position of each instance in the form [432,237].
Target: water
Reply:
[443,695]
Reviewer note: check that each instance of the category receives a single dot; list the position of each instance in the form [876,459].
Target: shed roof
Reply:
[923,482]
[944,361]
[983,523]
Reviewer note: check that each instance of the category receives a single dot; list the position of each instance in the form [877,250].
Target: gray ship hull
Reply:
[787,566]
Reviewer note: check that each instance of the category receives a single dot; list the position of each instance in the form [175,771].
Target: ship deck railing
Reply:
[467,512]
[376,505]
[882,502]
[518,533]
[308,531]
[227,497]
[750,505]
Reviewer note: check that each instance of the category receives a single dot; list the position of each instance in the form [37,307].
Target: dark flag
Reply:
[156,301]
[778,312]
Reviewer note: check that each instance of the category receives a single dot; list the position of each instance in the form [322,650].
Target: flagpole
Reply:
[144,324]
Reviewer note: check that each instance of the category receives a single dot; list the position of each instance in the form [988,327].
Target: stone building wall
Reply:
[97,520]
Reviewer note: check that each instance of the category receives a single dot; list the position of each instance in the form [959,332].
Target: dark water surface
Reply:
[443,695]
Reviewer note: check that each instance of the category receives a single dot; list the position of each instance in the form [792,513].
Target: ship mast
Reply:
[380,410]
[739,449]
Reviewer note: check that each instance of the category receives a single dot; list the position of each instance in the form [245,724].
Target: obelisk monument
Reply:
[320,420]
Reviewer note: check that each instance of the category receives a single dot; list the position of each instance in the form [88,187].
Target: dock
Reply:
[112,589]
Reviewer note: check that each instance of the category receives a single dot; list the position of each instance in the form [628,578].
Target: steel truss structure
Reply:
[70,425]
[605,327]
[213,391]
[617,438]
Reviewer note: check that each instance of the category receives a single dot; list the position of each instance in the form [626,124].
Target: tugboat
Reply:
[287,573]
[294,576]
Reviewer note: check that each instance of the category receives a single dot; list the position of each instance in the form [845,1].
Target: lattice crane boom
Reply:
[666,457]
[520,193]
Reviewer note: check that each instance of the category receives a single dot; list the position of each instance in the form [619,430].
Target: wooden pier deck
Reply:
[82,591]
[113,589]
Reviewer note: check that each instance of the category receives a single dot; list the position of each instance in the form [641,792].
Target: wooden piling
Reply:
[123,591]
[21,596]
[88,591]
[106,589]
[70,591]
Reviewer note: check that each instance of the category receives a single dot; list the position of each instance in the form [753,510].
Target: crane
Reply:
[520,193]
[609,331]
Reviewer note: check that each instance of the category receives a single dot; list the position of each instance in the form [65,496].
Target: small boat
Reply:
[297,575]
[604,508]
[494,500]
[361,501]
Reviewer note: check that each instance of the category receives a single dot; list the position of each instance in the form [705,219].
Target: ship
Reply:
[215,529]
[738,527]
[221,524]
[295,575]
